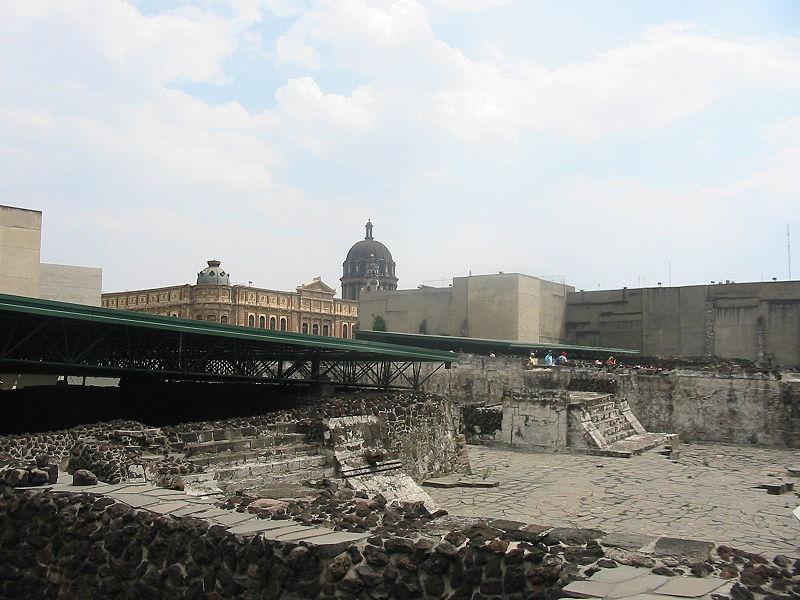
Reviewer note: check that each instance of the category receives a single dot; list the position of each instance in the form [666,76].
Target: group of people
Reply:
[549,361]
[562,360]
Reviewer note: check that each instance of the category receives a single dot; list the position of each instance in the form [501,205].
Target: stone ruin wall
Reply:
[706,407]
[421,431]
[699,405]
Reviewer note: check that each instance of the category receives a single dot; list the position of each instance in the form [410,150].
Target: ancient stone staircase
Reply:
[605,425]
[248,459]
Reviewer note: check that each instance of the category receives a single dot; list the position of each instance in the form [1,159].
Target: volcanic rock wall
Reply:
[78,545]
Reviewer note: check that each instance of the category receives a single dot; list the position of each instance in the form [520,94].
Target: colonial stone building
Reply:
[368,267]
[312,308]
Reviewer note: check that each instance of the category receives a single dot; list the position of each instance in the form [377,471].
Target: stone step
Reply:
[242,444]
[288,451]
[273,467]
[293,478]
[635,444]
[234,433]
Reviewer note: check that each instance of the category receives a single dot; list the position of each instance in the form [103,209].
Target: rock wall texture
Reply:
[78,545]
[721,405]
[704,407]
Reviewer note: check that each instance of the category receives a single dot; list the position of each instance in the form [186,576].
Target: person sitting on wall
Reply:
[532,360]
[548,358]
[611,362]
[562,359]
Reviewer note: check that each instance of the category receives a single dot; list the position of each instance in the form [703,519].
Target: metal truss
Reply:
[77,347]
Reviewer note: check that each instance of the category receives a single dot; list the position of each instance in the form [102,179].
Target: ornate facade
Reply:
[368,267]
[311,309]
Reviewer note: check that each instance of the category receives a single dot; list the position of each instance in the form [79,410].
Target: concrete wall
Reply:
[20,243]
[755,321]
[508,306]
[67,283]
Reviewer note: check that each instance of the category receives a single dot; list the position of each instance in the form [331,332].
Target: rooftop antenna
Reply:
[789,250]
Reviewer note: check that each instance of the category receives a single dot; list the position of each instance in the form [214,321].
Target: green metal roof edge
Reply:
[491,342]
[99,314]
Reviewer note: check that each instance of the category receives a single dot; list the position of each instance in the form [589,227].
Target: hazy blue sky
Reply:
[595,140]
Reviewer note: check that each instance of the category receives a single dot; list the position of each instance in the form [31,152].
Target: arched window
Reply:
[262,322]
[344,330]
[324,330]
[305,328]
[199,317]
[212,318]
[283,323]
[272,322]
[251,321]
[223,319]
[315,329]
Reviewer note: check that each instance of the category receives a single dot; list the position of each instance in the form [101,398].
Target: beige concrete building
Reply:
[311,308]
[23,274]
[756,321]
[20,251]
[509,306]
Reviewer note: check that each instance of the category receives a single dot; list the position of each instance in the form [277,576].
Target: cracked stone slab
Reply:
[163,493]
[135,500]
[588,589]
[167,508]
[627,541]
[212,512]
[266,527]
[691,587]
[189,510]
[697,550]
[619,574]
[138,489]
[637,585]
[307,533]
[232,518]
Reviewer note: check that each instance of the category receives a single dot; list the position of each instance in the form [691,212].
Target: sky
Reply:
[609,143]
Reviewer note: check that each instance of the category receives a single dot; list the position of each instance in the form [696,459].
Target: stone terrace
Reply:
[707,494]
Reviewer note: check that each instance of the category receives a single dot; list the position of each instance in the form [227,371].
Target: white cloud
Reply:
[669,73]
[293,49]
[315,118]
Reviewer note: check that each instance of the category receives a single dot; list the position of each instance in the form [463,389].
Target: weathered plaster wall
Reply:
[68,283]
[536,422]
[705,407]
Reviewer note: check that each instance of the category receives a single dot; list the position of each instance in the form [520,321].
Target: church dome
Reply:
[368,247]
[213,275]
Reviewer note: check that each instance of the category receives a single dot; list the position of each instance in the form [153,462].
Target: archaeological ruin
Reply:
[260,468]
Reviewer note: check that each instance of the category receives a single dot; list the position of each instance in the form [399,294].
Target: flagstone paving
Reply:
[641,584]
[707,494]
[179,504]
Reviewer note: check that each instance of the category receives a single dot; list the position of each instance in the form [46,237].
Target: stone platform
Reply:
[709,493]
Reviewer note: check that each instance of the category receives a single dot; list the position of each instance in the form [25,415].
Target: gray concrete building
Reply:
[756,321]
[509,306]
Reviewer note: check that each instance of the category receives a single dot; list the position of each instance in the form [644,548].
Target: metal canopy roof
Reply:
[468,344]
[45,336]
[332,348]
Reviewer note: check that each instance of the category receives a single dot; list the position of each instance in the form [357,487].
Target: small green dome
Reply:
[213,275]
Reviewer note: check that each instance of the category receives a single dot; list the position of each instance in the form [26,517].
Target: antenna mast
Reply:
[789,250]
